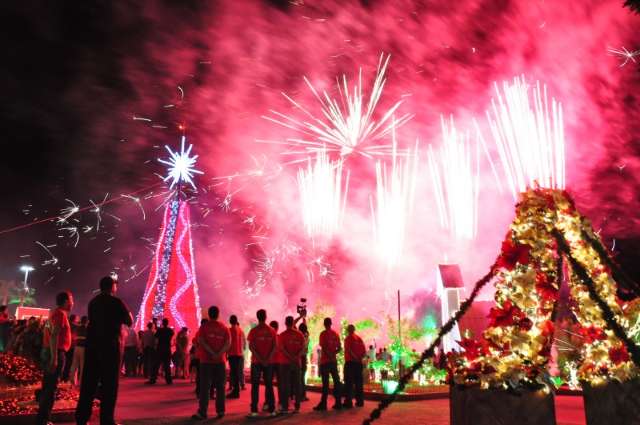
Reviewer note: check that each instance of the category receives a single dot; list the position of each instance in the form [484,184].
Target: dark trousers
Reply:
[353,382]
[163,359]
[148,361]
[289,381]
[235,368]
[212,376]
[266,371]
[49,385]
[326,370]
[68,359]
[303,376]
[101,369]
[130,360]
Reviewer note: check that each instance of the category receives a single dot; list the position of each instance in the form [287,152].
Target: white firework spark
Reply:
[323,195]
[529,135]
[455,181]
[180,165]
[346,124]
[625,54]
[67,212]
[395,191]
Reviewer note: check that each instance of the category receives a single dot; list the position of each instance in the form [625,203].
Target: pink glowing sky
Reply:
[234,60]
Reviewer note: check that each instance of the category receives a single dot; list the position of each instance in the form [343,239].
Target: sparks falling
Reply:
[455,170]
[394,199]
[529,136]
[323,195]
[346,124]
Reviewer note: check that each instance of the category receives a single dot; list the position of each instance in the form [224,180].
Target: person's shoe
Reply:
[265,407]
[150,382]
[337,406]
[359,403]
[296,409]
[320,407]
[233,395]
[253,415]
[198,417]
[347,405]
[273,413]
[220,416]
[282,412]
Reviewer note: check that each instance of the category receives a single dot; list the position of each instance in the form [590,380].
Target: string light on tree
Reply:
[172,289]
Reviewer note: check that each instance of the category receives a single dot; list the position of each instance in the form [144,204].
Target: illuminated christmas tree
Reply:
[172,290]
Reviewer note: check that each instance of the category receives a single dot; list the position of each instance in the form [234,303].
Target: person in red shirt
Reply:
[214,341]
[291,344]
[262,343]
[354,352]
[235,356]
[56,342]
[330,345]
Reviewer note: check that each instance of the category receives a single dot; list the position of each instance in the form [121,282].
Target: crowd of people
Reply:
[93,351]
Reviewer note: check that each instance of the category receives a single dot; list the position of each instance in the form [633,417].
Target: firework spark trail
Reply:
[529,136]
[51,261]
[455,182]
[137,202]
[393,204]
[625,54]
[346,124]
[67,212]
[323,195]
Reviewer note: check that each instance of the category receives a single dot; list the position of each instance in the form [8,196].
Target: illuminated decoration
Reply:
[455,172]
[514,350]
[394,199]
[180,165]
[172,289]
[347,123]
[529,135]
[323,195]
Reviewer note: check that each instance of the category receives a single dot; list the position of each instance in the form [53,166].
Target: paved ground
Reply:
[163,405]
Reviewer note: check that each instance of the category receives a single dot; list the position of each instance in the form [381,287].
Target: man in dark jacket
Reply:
[107,314]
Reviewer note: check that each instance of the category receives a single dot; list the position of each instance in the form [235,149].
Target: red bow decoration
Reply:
[509,315]
[472,348]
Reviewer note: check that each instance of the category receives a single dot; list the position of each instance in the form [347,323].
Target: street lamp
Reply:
[26,269]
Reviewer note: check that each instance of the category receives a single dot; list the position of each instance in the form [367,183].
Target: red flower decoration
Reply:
[618,354]
[547,328]
[592,334]
[513,254]
[472,348]
[545,287]
[509,315]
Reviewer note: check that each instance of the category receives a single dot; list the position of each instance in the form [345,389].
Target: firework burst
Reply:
[394,199]
[346,125]
[529,135]
[455,172]
[323,195]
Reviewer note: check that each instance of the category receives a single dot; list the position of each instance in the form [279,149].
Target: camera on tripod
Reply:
[301,308]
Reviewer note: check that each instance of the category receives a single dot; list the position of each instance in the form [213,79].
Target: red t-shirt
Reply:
[330,344]
[292,342]
[262,339]
[354,344]
[215,335]
[58,318]
[237,341]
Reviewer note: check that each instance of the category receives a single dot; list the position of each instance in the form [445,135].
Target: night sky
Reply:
[93,90]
